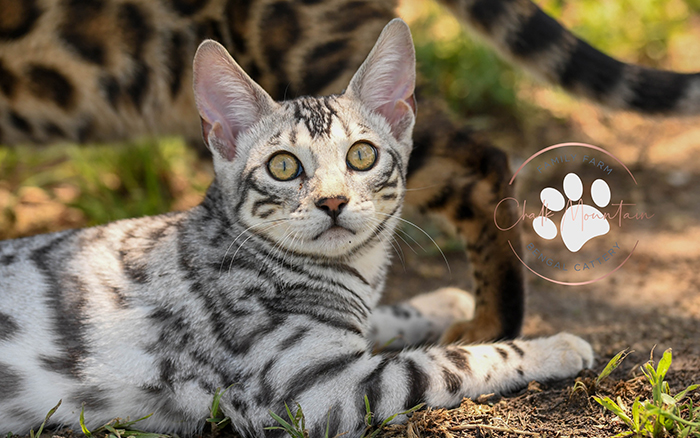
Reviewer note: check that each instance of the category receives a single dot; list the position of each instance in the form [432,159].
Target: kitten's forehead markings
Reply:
[316,114]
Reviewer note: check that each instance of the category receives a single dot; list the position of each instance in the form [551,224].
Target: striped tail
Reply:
[525,34]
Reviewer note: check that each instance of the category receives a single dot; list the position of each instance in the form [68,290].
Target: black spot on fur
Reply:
[8,327]
[519,351]
[441,199]
[537,34]
[177,62]
[136,29]
[465,210]
[210,29]
[7,259]
[66,295]
[17,18]
[452,381]
[93,397]
[371,387]
[10,382]
[324,64]
[78,29]
[282,30]
[54,131]
[520,372]
[657,91]
[593,71]
[349,16]
[47,83]
[138,87]
[237,14]
[86,130]
[188,7]
[20,123]
[110,88]
[417,384]
[294,338]
[459,357]
[502,352]
[8,81]
[400,312]
[316,374]
[487,12]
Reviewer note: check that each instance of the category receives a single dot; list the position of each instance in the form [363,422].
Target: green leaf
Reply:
[612,365]
[613,407]
[683,393]
[85,430]
[667,399]
[664,365]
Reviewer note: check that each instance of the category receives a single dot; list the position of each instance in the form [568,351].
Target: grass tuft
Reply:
[665,414]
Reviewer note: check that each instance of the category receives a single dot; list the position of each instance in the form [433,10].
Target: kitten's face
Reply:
[328,181]
[314,176]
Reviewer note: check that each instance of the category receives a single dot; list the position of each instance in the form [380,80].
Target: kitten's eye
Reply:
[361,156]
[284,166]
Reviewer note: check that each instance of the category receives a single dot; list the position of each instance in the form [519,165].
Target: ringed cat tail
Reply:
[525,34]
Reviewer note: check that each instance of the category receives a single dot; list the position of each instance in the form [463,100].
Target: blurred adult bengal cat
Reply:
[104,70]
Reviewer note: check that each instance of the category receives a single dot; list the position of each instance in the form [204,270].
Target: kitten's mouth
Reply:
[334,231]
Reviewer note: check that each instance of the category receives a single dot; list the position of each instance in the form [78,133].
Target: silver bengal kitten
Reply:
[267,287]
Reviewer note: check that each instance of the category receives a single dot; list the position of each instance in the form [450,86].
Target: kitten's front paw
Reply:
[569,353]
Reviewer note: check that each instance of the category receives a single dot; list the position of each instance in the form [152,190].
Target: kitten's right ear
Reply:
[228,100]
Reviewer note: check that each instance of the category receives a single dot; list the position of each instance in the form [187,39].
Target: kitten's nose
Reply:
[332,206]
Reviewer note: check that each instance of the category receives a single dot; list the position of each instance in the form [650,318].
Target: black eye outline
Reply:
[374,149]
[300,168]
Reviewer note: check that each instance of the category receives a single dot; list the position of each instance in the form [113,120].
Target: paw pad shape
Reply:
[580,222]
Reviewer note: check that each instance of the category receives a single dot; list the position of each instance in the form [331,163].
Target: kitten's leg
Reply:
[420,320]
[332,387]
[453,173]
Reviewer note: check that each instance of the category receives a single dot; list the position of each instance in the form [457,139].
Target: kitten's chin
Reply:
[336,241]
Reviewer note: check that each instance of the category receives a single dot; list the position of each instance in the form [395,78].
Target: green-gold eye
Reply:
[361,156]
[284,166]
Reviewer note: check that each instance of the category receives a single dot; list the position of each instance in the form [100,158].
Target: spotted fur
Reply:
[257,289]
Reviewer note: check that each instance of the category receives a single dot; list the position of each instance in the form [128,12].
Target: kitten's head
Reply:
[317,176]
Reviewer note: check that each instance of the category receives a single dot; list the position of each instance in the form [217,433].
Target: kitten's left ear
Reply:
[228,100]
[386,80]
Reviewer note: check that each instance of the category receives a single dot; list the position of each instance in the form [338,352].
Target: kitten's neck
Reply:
[226,244]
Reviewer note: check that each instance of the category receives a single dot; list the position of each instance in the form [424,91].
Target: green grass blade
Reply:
[84,428]
[612,365]
[664,365]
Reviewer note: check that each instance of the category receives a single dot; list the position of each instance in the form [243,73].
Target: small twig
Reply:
[495,428]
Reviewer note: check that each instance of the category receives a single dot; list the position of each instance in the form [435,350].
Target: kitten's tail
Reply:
[522,32]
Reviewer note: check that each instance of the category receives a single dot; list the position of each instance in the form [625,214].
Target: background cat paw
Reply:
[569,354]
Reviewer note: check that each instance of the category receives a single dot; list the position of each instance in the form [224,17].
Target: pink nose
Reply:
[332,206]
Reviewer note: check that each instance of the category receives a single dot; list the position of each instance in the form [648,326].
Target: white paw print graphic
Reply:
[581,222]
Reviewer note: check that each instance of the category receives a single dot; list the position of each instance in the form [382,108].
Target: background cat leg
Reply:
[454,173]
[421,320]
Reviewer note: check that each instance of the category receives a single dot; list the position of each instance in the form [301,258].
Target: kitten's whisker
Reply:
[422,188]
[426,234]
[407,244]
[402,259]
[244,242]
[243,232]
